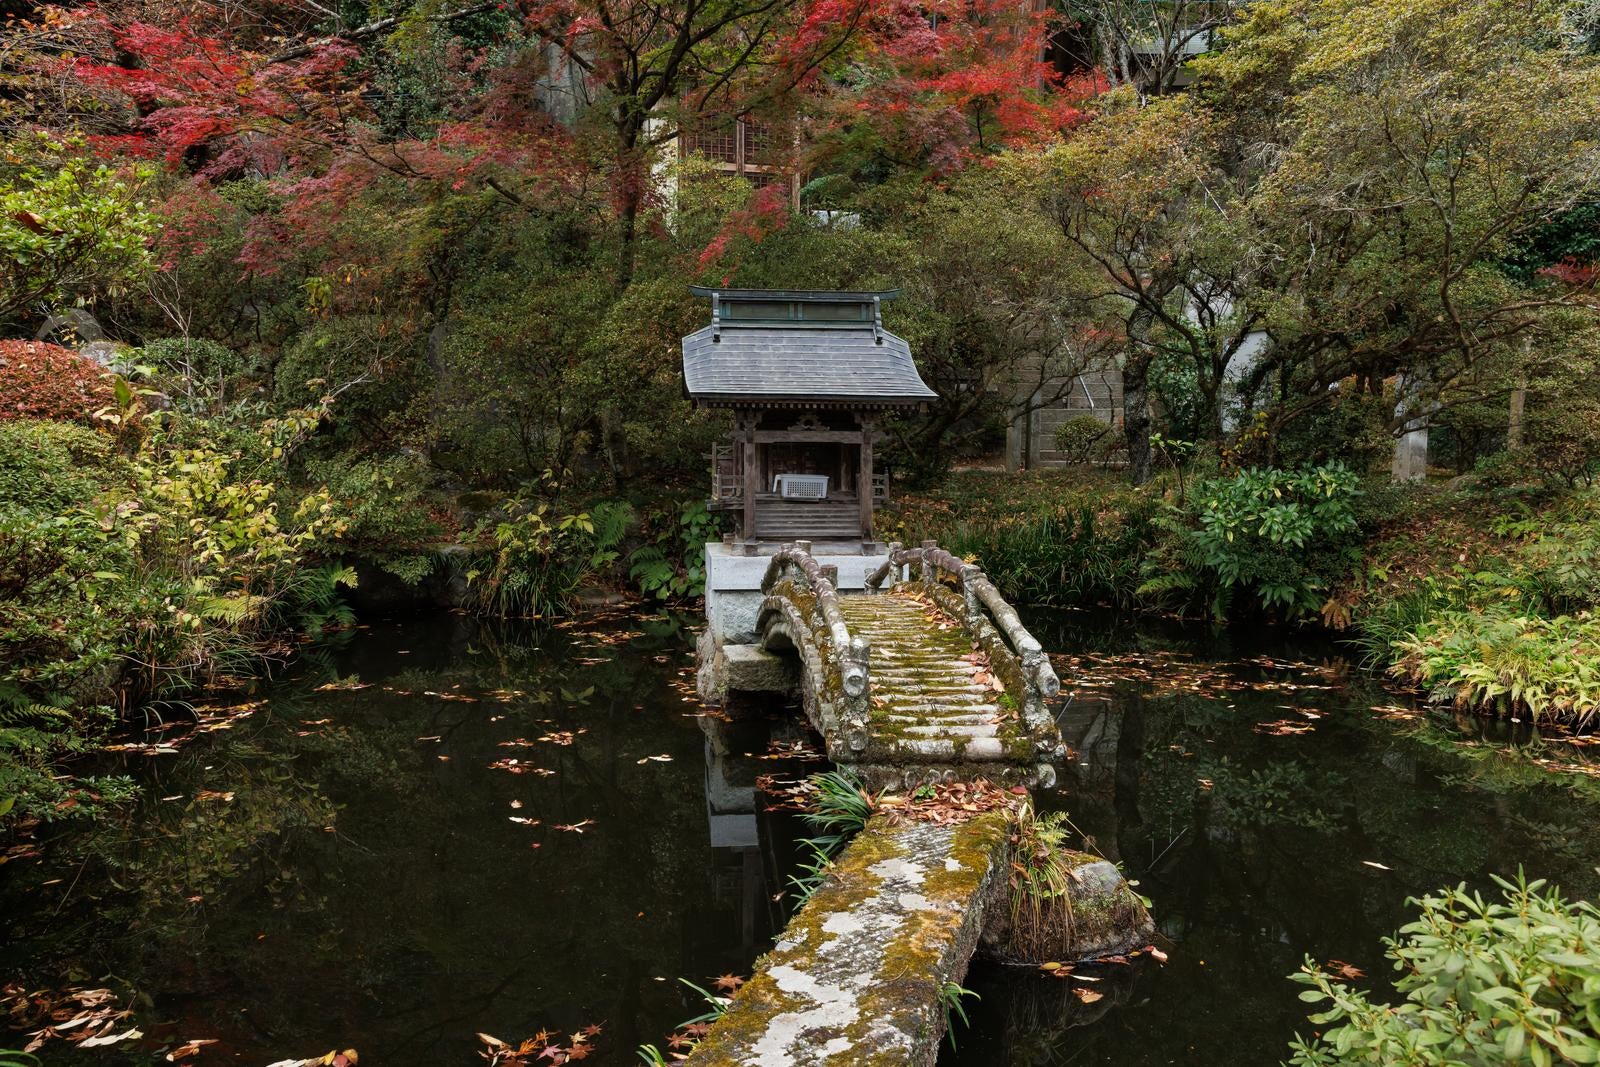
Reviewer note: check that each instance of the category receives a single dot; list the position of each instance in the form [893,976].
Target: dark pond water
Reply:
[1260,841]
[345,866]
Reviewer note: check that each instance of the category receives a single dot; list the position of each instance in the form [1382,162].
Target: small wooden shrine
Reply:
[808,375]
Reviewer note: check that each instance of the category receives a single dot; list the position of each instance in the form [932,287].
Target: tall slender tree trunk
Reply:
[1136,396]
[632,179]
[1519,400]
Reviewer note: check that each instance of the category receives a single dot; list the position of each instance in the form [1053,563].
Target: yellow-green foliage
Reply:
[1500,659]
[126,576]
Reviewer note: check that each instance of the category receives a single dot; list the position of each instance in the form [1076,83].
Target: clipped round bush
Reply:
[45,381]
[55,467]
[1080,438]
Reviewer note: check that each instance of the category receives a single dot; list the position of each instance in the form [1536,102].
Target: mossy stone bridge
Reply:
[925,675]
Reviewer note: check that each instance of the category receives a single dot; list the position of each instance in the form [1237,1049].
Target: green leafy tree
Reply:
[1398,152]
[68,229]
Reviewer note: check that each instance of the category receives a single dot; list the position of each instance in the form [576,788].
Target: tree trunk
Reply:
[627,255]
[1136,396]
[1519,399]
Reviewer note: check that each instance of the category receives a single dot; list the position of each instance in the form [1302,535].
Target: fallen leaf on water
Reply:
[110,1039]
[521,821]
[1283,728]
[1375,863]
[1156,954]
[347,1058]
[1088,996]
[573,828]
[189,1048]
[655,759]
[729,983]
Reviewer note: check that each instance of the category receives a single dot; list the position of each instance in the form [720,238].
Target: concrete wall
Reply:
[1031,437]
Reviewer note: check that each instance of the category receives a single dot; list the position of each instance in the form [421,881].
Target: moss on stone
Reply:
[894,1014]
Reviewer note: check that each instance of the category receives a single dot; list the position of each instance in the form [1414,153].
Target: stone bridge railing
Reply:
[804,593]
[963,591]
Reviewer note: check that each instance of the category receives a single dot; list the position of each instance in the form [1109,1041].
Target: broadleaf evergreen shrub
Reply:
[1511,981]
[1281,537]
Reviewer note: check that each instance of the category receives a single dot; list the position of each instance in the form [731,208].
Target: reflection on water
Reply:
[1256,839]
[366,866]
[345,867]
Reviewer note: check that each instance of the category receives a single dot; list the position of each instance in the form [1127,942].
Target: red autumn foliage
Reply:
[958,78]
[45,381]
[1573,272]
[195,89]
[766,213]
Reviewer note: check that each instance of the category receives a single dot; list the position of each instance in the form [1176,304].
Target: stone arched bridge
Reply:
[927,675]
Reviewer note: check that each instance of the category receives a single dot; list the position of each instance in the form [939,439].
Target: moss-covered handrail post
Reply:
[887,571]
[848,658]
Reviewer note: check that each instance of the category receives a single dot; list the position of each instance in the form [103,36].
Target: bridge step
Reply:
[951,748]
[952,730]
[925,701]
[951,695]
[962,717]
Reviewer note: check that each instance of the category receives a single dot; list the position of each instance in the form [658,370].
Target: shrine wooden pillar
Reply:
[752,476]
[864,477]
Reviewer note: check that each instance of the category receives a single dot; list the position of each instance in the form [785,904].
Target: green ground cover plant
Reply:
[1513,980]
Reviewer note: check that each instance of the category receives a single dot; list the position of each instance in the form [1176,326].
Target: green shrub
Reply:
[1282,537]
[1059,561]
[191,358]
[1082,439]
[54,466]
[1565,556]
[1514,981]
[1044,537]
[388,502]
[672,566]
[538,559]
[375,363]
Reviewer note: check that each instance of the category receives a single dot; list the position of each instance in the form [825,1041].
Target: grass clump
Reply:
[1040,880]
[839,808]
